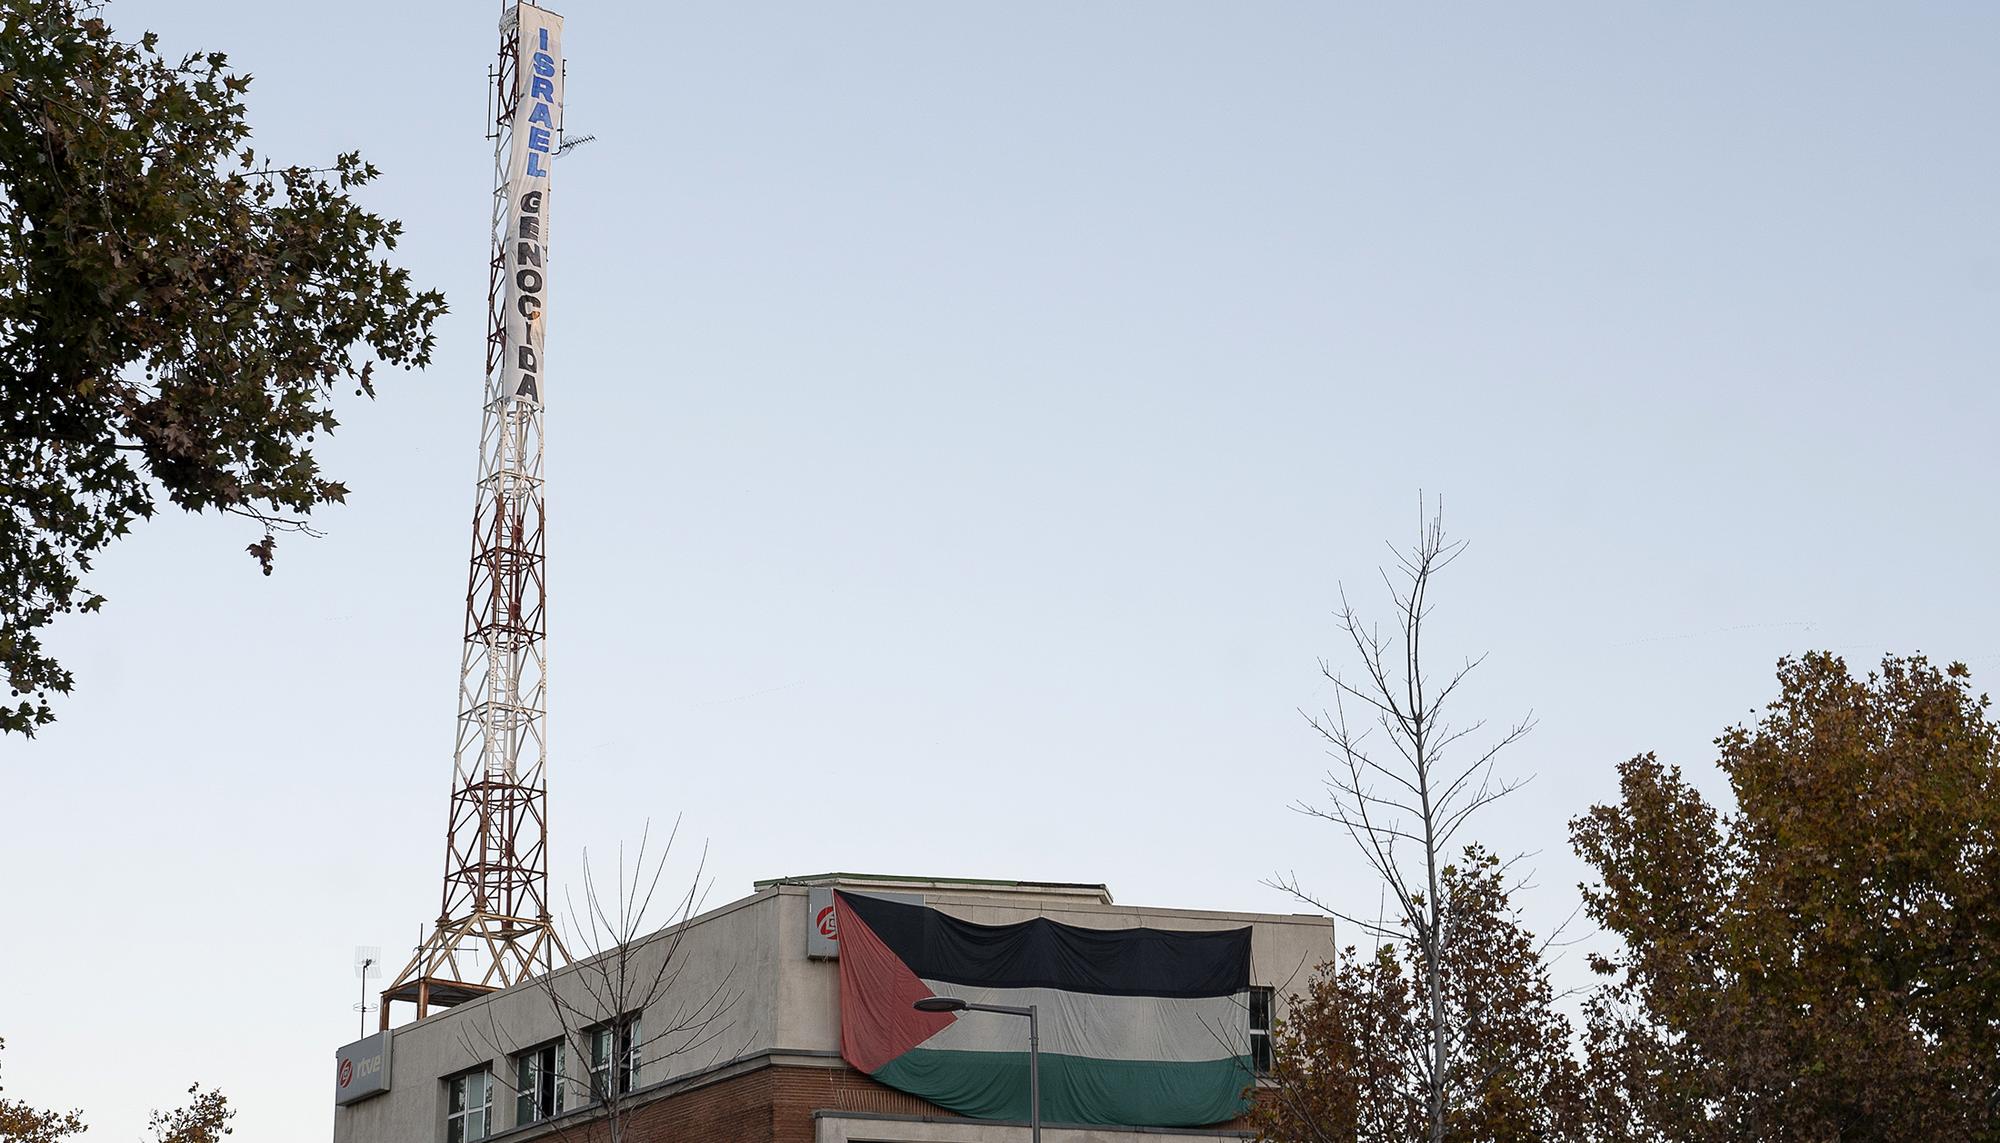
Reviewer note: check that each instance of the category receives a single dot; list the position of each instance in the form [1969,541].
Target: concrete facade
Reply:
[745,1041]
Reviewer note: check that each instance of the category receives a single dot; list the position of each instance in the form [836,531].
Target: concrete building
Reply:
[742,1041]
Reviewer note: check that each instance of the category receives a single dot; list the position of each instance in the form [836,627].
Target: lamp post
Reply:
[954,1004]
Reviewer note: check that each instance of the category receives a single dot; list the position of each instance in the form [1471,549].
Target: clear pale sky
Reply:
[960,418]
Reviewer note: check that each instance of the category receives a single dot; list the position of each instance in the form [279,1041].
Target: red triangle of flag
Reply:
[877,991]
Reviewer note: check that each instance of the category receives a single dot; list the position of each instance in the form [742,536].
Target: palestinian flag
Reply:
[1144,1027]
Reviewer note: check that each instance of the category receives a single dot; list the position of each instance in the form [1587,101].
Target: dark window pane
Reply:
[1260,1009]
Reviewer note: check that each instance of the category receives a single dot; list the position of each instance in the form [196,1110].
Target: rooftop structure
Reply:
[746,1044]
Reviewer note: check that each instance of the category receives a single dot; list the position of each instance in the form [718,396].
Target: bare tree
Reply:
[622,1005]
[1404,781]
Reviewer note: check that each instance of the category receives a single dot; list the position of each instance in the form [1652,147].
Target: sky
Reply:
[962,419]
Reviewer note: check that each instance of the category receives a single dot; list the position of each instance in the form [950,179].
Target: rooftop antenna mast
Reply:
[494,929]
[367,966]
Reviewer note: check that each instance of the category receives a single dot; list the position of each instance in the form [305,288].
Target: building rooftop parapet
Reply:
[1098,893]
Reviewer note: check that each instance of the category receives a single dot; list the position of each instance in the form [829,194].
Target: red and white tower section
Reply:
[494,929]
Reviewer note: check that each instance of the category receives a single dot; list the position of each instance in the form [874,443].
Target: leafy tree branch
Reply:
[177,315]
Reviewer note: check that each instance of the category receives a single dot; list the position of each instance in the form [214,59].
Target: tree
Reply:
[21,1123]
[1822,960]
[1353,1060]
[176,315]
[204,1120]
[1409,790]
[619,1007]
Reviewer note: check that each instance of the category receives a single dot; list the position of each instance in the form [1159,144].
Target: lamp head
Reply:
[940,1004]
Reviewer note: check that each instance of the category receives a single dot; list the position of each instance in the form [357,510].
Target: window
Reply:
[538,1086]
[469,1114]
[1261,1002]
[614,1046]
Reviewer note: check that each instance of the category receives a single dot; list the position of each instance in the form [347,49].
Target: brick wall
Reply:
[768,1105]
[802,1091]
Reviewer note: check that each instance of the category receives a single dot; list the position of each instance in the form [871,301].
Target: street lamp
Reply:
[954,1004]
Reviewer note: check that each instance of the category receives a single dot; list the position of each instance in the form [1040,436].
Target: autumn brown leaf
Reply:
[1821,960]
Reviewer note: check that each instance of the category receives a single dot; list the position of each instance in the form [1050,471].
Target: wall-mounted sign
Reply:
[823,924]
[361,1069]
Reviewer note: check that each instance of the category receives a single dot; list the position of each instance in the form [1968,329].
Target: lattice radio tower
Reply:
[494,928]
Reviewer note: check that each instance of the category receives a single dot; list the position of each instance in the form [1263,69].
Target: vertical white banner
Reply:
[537,114]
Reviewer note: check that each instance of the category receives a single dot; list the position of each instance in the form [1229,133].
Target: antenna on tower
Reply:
[494,928]
[367,965]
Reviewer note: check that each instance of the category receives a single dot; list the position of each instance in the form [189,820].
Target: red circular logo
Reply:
[346,1072]
[829,924]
